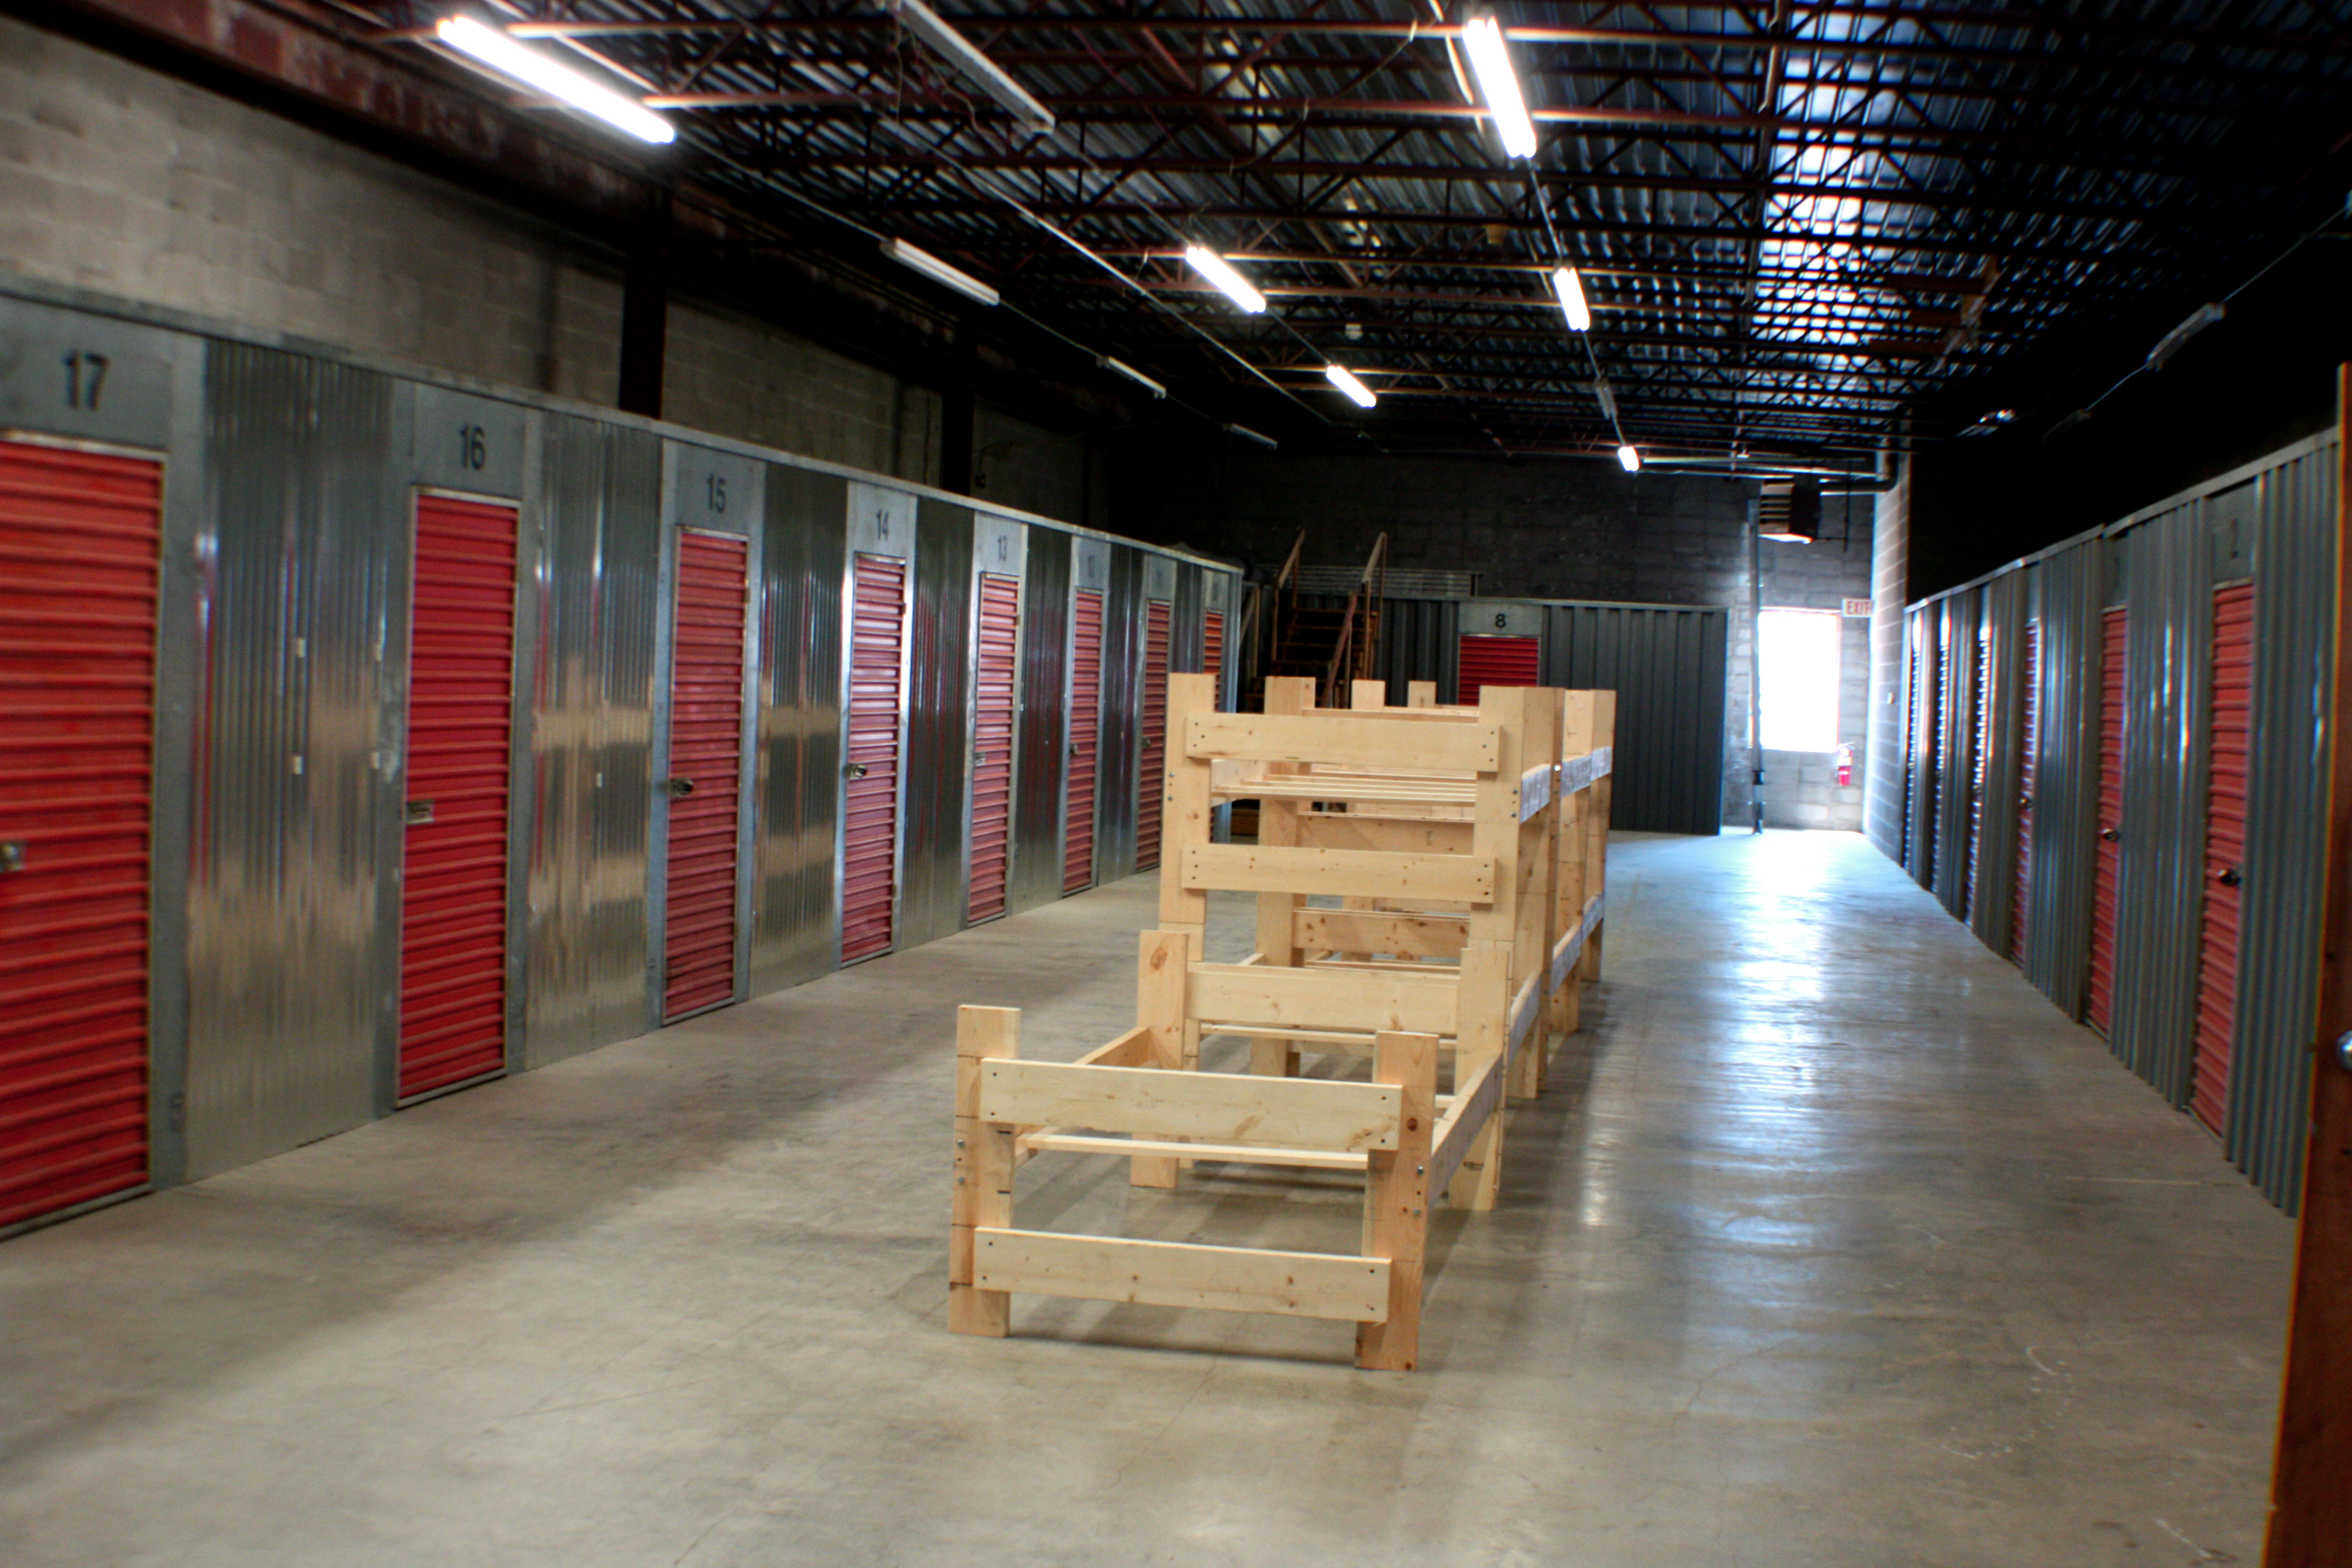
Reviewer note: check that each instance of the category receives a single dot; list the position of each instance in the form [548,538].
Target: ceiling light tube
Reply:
[969,63]
[1629,459]
[1571,289]
[554,78]
[1353,390]
[1490,62]
[1230,283]
[917,259]
[1246,434]
[1120,367]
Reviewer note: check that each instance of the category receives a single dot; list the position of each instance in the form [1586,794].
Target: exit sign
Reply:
[1857,609]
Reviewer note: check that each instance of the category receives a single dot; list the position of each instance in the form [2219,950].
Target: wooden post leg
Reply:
[1274,1059]
[983,1168]
[1588,968]
[1396,1201]
[1160,1007]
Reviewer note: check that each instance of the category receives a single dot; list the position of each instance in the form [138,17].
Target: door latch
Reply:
[419,812]
[2109,834]
[12,855]
[2229,877]
[854,770]
[677,788]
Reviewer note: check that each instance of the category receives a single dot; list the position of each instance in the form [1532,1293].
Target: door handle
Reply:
[12,855]
[677,788]
[854,770]
[2229,877]
[419,812]
[2109,834]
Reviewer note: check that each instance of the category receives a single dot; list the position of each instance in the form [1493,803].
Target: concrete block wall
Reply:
[121,180]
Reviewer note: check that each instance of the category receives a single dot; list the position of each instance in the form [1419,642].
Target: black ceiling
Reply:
[1800,225]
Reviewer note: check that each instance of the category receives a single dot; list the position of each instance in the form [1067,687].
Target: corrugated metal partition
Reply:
[599,597]
[2294,552]
[1122,687]
[1044,739]
[1668,668]
[287,892]
[2232,709]
[939,726]
[996,666]
[2001,715]
[1959,619]
[1922,752]
[2170,890]
[454,872]
[80,547]
[796,923]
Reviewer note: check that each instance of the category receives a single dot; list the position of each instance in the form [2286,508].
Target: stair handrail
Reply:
[1353,657]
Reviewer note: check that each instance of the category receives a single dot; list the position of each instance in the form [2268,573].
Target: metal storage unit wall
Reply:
[1121,740]
[2137,603]
[281,849]
[1669,668]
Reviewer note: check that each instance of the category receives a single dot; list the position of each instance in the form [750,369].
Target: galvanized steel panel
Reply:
[1960,623]
[287,892]
[1998,771]
[1669,668]
[2065,606]
[600,507]
[1122,691]
[796,916]
[1043,741]
[1923,738]
[938,728]
[2294,557]
[2168,574]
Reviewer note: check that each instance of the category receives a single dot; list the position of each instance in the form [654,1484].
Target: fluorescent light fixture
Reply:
[1345,380]
[1490,62]
[554,78]
[1121,367]
[1246,434]
[917,259]
[1629,459]
[1571,289]
[1220,271]
[971,64]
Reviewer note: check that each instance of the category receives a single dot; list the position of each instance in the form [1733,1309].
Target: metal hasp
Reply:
[677,788]
[12,855]
[854,770]
[419,813]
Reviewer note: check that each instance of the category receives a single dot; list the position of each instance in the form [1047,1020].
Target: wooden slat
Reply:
[1344,874]
[1232,1154]
[1226,997]
[1368,931]
[1172,1275]
[1360,742]
[1133,1049]
[1210,1107]
[1473,1103]
[1401,835]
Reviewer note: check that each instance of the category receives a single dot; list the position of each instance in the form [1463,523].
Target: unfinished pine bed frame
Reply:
[1452,817]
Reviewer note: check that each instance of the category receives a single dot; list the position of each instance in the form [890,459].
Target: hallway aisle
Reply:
[1832,1246]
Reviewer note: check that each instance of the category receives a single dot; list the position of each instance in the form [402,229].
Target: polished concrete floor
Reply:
[1831,1245]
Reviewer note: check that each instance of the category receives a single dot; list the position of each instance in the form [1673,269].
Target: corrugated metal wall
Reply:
[291,483]
[2272,523]
[1122,691]
[1668,668]
[1994,879]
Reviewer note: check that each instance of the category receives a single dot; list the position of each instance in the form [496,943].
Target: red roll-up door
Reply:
[2225,848]
[2029,694]
[1498,661]
[992,744]
[80,544]
[1212,644]
[1152,779]
[1085,741]
[869,809]
[2099,1004]
[706,761]
[1978,769]
[453,894]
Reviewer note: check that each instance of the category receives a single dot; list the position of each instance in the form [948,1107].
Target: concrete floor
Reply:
[1833,1245]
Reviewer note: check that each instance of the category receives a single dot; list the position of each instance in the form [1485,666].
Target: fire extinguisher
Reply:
[1845,766]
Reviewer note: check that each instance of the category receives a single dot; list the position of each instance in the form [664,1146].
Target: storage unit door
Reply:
[870,814]
[79,550]
[2029,675]
[706,772]
[2225,849]
[1212,645]
[997,665]
[1151,777]
[1980,771]
[2100,996]
[1498,662]
[1086,740]
[453,891]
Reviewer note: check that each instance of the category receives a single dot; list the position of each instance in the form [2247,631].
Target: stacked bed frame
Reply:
[1429,893]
